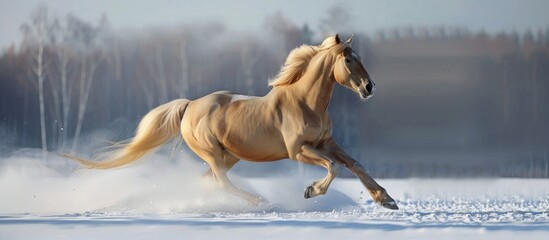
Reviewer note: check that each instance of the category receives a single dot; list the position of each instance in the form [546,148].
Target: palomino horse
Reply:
[291,121]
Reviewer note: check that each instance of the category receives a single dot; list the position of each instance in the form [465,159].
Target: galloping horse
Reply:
[291,121]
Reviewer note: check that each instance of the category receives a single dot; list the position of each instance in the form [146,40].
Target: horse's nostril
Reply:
[369,87]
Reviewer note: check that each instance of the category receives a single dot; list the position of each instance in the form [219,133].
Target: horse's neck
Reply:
[317,85]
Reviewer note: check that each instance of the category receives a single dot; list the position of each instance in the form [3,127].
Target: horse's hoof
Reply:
[390,205]
[308,192]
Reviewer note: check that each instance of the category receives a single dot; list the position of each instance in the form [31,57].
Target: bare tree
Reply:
[54,108]
[86,37]
[36,34]
[62,64]
[87,75]
[59,81]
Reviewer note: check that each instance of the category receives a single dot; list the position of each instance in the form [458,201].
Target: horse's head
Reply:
[348,69]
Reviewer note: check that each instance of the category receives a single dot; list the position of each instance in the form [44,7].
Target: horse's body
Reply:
[291,121]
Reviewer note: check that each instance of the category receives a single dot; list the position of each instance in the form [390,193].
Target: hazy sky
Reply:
[248,15]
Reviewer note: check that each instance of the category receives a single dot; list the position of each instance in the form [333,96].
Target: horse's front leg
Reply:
[379,194]
[311,155]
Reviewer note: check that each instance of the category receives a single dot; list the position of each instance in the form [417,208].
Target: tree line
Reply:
[69,77]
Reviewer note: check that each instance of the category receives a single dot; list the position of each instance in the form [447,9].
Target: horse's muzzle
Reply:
[365,94]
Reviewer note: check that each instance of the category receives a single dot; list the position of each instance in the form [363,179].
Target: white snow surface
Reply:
[165,199]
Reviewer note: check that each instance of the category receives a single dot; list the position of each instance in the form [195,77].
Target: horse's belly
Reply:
[259,150]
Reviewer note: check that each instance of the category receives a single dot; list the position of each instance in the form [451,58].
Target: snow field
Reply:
[159,198]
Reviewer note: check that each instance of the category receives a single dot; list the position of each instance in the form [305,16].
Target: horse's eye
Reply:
[347,60]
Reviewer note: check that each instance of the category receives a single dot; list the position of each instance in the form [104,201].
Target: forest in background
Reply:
[449,102]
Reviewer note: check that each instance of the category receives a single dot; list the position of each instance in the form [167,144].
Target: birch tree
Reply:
[59,81]
[62,64]
[85,37]
[36,34]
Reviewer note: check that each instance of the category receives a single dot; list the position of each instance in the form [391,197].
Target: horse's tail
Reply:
[157,127]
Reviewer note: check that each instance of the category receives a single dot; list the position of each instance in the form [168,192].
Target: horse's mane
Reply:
[297,62]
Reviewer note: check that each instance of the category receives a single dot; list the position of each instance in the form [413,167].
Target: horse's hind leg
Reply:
[219,170]
[229,161]
[215,159]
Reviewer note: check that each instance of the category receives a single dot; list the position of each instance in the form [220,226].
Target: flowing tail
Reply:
[157,127]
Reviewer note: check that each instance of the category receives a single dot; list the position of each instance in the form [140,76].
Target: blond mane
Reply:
[298,61]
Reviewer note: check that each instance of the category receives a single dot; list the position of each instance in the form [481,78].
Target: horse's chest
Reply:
[315,132]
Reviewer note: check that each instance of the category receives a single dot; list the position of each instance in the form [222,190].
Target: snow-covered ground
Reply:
[158,199]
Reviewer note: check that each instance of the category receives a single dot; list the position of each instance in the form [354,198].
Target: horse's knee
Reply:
[333,169]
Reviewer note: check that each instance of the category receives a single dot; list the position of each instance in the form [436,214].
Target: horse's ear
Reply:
[338,40]
[350,40]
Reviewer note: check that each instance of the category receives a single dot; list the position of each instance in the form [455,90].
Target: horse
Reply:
[291,121]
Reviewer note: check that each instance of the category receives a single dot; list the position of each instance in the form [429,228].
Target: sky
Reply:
[248,15]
